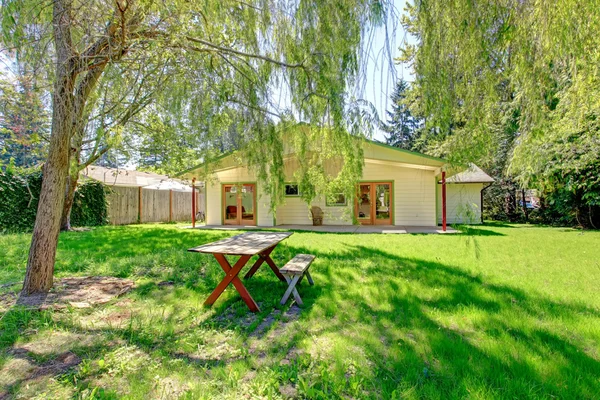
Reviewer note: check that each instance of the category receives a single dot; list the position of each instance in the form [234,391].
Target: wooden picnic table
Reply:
[245,246]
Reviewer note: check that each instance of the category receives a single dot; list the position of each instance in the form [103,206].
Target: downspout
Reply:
[481,201]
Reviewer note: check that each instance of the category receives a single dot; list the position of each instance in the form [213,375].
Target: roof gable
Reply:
[473,174]
[380,151]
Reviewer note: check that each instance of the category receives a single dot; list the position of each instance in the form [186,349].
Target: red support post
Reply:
[444,201]
[193,202]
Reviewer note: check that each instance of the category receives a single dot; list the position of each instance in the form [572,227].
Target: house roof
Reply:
[122,177]
[172,184]
[473,174]
[386,153]
[414,153]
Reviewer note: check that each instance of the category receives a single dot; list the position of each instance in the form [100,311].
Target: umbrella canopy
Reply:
[170,184]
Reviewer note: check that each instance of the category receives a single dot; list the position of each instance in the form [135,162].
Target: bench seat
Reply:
[298,265]
[293,272]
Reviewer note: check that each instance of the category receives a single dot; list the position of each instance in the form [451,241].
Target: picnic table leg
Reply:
[291,290]
[258,263]
[232,277]
[274,268]
[262,257]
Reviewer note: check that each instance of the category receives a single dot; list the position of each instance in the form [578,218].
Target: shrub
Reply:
[90,206]
[19,196]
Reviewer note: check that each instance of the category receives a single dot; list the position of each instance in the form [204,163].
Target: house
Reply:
[398,187]
[122,177]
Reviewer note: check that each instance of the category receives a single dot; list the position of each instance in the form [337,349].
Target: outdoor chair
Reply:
[317,215]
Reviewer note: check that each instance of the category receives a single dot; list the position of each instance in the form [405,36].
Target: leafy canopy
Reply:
[261,65]
[512,78]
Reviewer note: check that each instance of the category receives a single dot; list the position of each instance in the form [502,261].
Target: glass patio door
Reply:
[374,203]
[239,204]
[364,206]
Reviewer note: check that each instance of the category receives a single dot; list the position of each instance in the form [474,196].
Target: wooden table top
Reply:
[249,243]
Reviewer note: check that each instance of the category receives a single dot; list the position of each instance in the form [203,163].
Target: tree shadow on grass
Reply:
[443,331]
[426,329]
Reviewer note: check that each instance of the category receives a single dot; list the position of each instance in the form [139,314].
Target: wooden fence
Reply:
[156,205]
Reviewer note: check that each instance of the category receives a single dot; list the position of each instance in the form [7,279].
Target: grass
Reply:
[501,311]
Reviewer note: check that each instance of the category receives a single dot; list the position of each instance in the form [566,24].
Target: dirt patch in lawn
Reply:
[57,342]
[288,317]
[24,371]
[78,292]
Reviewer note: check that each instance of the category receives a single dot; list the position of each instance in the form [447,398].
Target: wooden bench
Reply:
[293,272]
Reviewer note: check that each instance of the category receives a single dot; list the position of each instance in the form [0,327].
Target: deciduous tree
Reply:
[243,53]
[518,74]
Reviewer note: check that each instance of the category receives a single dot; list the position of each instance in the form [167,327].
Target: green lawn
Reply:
[503,311]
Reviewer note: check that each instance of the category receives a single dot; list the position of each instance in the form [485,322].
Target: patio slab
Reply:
[381,229]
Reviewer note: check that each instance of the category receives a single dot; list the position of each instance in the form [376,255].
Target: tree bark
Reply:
[42,253]
[65,222]
[82,93]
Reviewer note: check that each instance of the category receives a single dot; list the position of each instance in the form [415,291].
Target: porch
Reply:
[383,229]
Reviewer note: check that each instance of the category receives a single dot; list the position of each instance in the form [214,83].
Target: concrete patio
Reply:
[385,229]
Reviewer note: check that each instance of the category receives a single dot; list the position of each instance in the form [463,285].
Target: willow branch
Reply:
[244,54]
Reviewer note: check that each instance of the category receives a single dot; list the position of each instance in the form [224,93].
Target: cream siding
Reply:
[296,212]
[414,192]
[293,211]
[213,204]
[235,175]
[463,203]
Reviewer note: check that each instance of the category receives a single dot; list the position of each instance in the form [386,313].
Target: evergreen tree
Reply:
[23,123]
[401,126]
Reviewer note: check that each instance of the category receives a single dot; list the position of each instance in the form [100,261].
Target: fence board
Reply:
[123,205]
[155,205]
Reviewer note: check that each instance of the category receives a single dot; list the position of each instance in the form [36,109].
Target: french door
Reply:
[373,204]
[239,204]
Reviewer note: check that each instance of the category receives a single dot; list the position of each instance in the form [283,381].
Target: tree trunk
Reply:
[42,253]
[65,222]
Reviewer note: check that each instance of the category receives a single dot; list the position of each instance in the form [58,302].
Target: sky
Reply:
[381,74]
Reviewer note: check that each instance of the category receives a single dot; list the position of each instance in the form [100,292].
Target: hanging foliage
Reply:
[522,75]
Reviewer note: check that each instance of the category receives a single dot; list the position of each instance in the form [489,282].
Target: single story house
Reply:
[122,177]
[398,187]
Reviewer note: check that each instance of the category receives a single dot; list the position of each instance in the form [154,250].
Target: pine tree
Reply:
[23,122]
[401,126]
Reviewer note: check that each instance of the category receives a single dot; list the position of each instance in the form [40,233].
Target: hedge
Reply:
[19,194]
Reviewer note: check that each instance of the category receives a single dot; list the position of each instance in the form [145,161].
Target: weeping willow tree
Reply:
[512,79]
[218,55]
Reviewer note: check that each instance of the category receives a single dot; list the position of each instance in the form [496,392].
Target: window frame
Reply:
[328,203]
[291,184]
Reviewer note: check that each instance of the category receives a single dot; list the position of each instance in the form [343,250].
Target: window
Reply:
[339,199]
[291,189]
